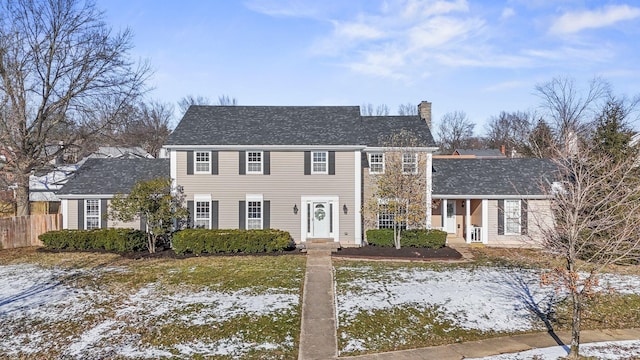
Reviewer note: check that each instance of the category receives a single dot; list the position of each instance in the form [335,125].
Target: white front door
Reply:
[321,219]
[451,217]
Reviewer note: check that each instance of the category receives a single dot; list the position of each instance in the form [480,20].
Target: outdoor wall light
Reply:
[295,209]
[345,209]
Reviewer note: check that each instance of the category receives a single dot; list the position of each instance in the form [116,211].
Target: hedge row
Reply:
[198,241]
[433,239]
[122,240]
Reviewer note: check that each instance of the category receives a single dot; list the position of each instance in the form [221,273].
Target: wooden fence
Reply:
[24,230]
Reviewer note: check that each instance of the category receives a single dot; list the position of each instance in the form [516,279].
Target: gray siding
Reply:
[283,187]
[539,214]
[72,218]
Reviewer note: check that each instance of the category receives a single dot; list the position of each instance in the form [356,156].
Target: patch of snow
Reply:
[602,350]
[484,298]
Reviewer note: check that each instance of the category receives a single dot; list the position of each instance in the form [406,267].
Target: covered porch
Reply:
[464,219]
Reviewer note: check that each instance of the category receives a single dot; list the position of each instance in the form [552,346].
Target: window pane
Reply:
[202,161]
[254,214]
[254,161]
[376,163]
[93,223]
[512,216]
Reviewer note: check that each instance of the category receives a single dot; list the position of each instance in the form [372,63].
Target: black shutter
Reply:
[523,217]
[143,223]
[81,214]
[214,214]
[365,160]
[103,211]
[307,162]
[332,162]
[242,170]
[214,163]
[266,162]
[189,162]
[500,217]
[242,212]
[266,214]
[192,213]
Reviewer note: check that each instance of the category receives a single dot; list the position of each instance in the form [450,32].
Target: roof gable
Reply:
[374,129]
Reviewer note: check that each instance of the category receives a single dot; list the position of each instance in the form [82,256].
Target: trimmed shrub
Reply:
[119,240]
[433,239]
[199,241]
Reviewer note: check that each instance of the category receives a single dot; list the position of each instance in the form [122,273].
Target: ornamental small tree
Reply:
[156,203]
[399,192]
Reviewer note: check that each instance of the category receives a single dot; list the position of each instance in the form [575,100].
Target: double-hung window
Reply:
[319,161]
[254,162]
[254,213]
[376,163]
[512,216]
[203,162]
[202,216]
[92,214]
[409,163]
[386,217]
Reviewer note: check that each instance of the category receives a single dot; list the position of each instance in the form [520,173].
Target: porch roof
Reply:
[491,178]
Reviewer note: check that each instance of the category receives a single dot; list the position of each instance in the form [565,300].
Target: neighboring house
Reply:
[120,152]
[295,168]
[492,201]
[480,153]
[85,198]
[43,188]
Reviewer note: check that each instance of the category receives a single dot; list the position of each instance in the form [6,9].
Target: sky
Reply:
[477,56]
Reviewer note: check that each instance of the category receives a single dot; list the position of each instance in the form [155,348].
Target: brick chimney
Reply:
[424,110]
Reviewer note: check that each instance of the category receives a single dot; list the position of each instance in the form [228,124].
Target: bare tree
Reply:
[594,202]
[511,130]
[399,193]
[455,131]
[407,109]
[570,110]
[185,102]
[227,101]
[149,127]
[61,68]
[370,110]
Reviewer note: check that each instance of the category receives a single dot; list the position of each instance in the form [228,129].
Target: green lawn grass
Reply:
[115,281]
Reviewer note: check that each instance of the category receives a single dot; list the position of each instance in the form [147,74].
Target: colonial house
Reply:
[303,169]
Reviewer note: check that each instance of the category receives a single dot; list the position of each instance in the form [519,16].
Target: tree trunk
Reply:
[22,195]
[151,243]
[396,236]
[575,325]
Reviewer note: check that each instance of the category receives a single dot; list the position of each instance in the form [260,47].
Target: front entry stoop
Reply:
[321,244]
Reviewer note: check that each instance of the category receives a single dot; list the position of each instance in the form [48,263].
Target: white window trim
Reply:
[414,162]
[258,198]
[326,162]
[202,198]
[383,163]
[519,217]
[86,218]
[196,162]
[247,171]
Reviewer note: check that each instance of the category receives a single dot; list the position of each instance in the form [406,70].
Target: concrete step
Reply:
[317,244]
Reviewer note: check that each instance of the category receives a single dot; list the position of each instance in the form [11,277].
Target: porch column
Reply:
[443,214]
[485,221]
[467,221]
[429,188]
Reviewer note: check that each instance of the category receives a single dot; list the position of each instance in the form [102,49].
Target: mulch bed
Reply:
[365,252]
[405,253]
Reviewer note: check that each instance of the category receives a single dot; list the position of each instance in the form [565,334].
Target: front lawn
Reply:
[393,306]
[84,305]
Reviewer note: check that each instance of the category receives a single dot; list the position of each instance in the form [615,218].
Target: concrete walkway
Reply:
[501,345]
[318,339]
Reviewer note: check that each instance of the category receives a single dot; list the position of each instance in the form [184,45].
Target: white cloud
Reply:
[507,13]
[419,8]
[573,22]
[289,8]
[357,31]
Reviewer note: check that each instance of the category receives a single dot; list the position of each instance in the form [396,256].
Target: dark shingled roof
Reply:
[481,152]
[266,125]
[289,125]
[375,128]
[113,176]
[491,177]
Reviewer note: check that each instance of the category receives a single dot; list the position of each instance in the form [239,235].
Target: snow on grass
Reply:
[35,301]
[601,350]
[485,299]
